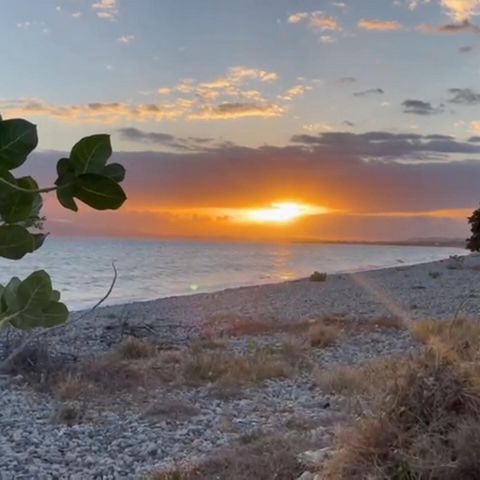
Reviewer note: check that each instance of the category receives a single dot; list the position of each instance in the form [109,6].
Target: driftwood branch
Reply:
[40,333]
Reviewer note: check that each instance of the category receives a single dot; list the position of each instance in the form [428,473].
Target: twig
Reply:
[34,336]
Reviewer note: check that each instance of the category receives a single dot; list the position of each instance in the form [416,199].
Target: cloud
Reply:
[236,110]
[136,135]
[413,4]
[94,112]
[295,91]
[126,39]
[227,97]
[318,127]
[374,180]
[465,49]
[347,80]
[419,107]
[464,96]
[375,176]
[379,25]
[106,9]
[464,26]
[369,92]
[475,127]
[240,73]
[460,10]
[317,21]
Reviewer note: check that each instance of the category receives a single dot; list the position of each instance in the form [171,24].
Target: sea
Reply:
[81,268]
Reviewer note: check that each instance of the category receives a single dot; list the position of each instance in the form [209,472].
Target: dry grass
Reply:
[264,458]
[389,323]
[323,335]
[425,420]
[342,380]
[211,366]
[350,380]
[133,349]
[170,408]
[70,413]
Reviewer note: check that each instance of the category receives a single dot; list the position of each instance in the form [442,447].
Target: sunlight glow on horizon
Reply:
[282,212]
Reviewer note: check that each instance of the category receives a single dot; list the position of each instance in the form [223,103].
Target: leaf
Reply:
[65,191]
[63,166]
[90,154]
[18,206]
[35,291]
[54,313]
[15,242]
[101,193]
[18,138]
[115,171]
[33,303]
[55,296]
[38,239]
[9,295]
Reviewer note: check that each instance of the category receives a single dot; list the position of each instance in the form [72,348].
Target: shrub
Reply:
[85,175]
[417,428]
[321,335]
[318,277]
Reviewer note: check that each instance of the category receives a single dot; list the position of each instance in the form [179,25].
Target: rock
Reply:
[314,458]
[306,476]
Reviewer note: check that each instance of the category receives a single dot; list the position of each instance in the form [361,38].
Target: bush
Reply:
[85,175]
[318,277]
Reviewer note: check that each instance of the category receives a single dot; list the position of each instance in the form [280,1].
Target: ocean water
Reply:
[82,268]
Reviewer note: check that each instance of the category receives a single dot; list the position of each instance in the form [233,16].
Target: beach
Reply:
[161,422]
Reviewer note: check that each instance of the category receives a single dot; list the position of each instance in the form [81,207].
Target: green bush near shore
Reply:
[318,277]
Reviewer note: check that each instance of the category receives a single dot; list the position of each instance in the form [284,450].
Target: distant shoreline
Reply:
[400,243]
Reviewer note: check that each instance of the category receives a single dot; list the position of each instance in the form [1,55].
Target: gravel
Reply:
[127,440]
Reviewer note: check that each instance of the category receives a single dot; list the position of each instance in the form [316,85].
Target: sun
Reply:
[281,212]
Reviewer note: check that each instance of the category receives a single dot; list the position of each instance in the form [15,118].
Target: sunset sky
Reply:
[355,119]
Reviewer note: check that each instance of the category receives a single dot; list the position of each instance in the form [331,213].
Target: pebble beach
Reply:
[118,436]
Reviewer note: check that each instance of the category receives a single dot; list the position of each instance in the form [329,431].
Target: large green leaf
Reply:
[35,291]
[19,206]
[15,242]
[115,171]
[63,166]
[9,295]
[18,138]
[99,192]
[90,154]
[33,303]
[65,190]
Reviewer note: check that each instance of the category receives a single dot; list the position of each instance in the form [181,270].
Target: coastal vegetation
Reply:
[84,175]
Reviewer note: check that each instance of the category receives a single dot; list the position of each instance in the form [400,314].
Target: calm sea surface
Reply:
[81,268]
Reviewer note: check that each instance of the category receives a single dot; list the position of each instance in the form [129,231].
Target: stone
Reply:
[306,476]
[314,458]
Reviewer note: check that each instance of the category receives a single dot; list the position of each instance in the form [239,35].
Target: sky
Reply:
[257,119]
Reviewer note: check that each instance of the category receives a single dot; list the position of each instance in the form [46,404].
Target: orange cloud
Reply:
[461,10]
[379,25]
[315,20]
[236,110]
[96,112]
[232,94]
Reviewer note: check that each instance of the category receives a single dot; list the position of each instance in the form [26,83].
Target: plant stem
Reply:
[27,190]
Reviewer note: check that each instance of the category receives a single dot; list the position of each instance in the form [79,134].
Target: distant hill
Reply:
[418,242]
